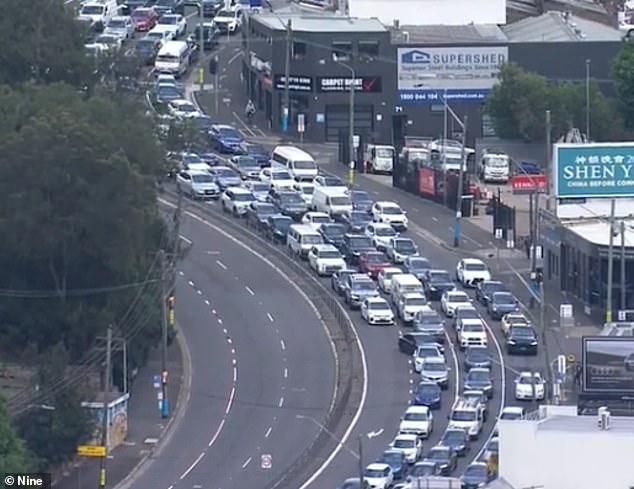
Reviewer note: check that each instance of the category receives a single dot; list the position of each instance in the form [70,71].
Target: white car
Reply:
[470,271]
[160,35]
[325,259]
[390,213]
[109,42]
[425,351]
[330,182]
[452,299]
[378,476]
[197,184]
[174,24]
[260,190]
[530,386]
[306,190]
[510,413]
[277,178]
[417,420]
[409,445]
[381,234]
[121,27]
[316,219]
[229,20]
[384,278]
[399,249]
[376,310]
[409,304]
[182,109]
[236,200]
[472,333]
[167,31]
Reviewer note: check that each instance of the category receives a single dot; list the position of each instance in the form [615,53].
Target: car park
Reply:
[381,234]
[485,290]
[434,369]
[399,249]
[409,304]
[457,440]
[358,288]
[521,340]
[470,271]
[372,262]
[502,303]
[479,378]
[390,213]
[325,259]
[417,420]
[530,386]
[436,282]
[410,445]
[396,460]
[444,457]
[378,476]
[246,166]
[225,138]
[236,200]
[258,213]
[376,310]
[197,184]
[384,278]
[428,322]
[452,299]
[417,266]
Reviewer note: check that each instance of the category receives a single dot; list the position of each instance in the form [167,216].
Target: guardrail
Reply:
[349,372]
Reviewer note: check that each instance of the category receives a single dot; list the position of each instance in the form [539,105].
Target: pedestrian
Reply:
[527,247]
[249,111]
[578,371]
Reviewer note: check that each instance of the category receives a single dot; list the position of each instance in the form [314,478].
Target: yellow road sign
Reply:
[91,450]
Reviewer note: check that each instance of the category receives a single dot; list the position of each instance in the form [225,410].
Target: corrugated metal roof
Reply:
[443,34]
[309,21]
[559,27]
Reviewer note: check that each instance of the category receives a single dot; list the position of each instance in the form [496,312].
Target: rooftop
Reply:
[444,34]
[559,27]
[597,231]
[584,424]
[303,20]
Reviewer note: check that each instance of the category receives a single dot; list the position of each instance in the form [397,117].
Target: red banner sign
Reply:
[529,183]
[426,182]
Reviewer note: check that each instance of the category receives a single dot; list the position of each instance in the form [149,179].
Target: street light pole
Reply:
[463,164]
[287,75]
[361,468]
[623,295]
[588,63]
[608,310]
[201,54]
[444,151]
[351,148]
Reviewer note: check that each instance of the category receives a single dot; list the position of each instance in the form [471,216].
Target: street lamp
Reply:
[588,64]
[358,455]
[463,125]
[353,77]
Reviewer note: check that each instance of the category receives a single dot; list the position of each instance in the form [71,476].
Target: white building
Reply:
[564,451]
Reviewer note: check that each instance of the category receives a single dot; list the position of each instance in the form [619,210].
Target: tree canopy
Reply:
[518,104]
[13,455]
[623,77]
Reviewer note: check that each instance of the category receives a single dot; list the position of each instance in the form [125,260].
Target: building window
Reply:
[341,51]
[368,50]
[299,50]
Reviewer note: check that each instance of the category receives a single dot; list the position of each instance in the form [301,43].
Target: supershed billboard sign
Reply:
[608,364]
[465,74]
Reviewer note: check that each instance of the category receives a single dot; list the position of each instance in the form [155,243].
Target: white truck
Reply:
[494,166]
[379,158]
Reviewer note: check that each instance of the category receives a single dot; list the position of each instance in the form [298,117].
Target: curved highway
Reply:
[260,356]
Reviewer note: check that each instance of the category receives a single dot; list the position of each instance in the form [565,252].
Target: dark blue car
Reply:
[475,476]
[477,357]
[396,460]
[258,152]
[428,394]
[361,201]
[225,138]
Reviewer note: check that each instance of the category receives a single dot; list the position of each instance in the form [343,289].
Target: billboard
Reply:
[525,184]
[593,170]
[464,74]
[608,364]
[427,181]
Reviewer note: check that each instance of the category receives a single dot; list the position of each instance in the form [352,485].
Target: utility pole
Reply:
[106,396]
[623,295]
[588,100]
[201,54]
[444,151]
[247,56]
[287,75]
[351,130]
[361,468]
[608,310]
[164,373]
[549,155]
[118,344]
[457,232]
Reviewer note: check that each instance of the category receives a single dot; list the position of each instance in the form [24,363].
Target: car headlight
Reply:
[495,308]
[533,343]
[511,342]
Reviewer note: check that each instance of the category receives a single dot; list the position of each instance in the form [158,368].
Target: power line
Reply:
[55,294]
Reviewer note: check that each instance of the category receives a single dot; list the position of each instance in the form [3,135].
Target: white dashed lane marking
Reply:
[249,290]
[246,462]
[268,315]
[221,265]
[283,345]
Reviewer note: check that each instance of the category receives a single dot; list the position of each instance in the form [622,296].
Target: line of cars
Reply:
[361,253]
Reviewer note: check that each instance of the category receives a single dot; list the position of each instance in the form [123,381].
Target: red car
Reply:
[372,262]
[144,18]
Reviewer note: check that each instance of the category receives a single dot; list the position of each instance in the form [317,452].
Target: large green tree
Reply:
[13,455]
[42,43]
[623,76]
[518,104]
[79,219]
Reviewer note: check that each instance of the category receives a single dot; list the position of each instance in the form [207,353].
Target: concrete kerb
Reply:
[178,415]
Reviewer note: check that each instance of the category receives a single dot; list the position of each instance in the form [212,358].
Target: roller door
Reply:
[337,118]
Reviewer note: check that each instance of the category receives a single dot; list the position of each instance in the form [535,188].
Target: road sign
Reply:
[355,141]
[156,381]
[266,461]
[91,450]
[301,123]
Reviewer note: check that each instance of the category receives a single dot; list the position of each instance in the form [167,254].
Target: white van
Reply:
[332,200]
[301,238]
[98,12]
[173,58]
[404,283]
[298,162]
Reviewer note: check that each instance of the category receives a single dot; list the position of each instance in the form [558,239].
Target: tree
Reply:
[54,427]
[43,43]
[13,455]
[79,203]
[518,104]
[623,76]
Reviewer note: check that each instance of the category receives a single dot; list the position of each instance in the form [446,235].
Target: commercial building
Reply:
[327,54]
[563,450]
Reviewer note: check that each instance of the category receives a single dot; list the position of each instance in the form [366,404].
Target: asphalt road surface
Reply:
[260,357]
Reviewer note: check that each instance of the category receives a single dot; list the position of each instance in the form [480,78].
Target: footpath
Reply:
[146,428]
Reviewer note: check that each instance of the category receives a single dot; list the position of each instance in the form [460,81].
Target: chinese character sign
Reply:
[594,170]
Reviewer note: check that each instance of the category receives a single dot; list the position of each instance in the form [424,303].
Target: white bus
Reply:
[173,58]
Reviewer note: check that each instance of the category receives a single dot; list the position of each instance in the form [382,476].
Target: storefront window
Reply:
[368,50]
[341,50]
[299,50]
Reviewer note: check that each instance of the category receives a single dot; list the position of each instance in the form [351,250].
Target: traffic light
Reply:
[213,66]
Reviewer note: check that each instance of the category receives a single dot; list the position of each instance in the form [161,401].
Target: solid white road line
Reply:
[192,466]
